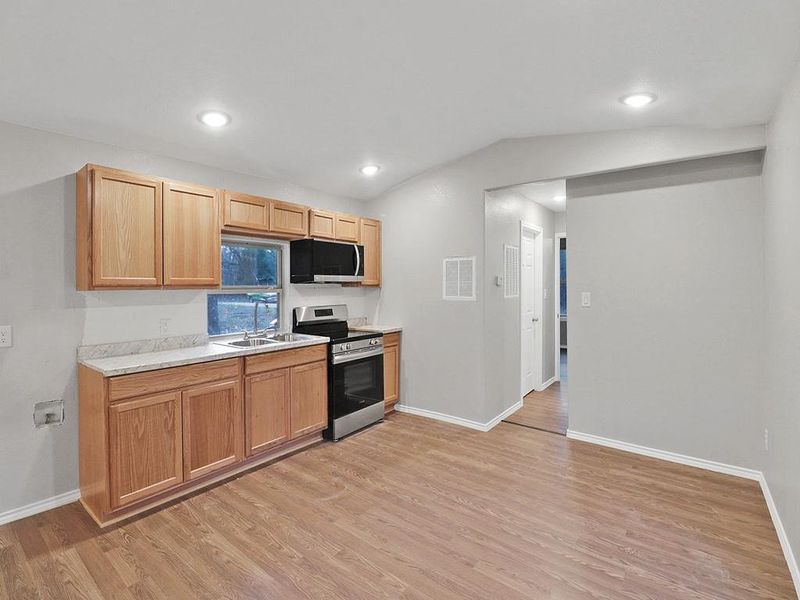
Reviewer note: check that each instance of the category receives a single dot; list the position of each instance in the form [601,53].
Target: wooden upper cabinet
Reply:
[245,211]
[212,428]
[321,224]
[288,219]
[144,447]
[191,236]
[119,229]
[309,399]
[347,228]
[266,401]
[370,238]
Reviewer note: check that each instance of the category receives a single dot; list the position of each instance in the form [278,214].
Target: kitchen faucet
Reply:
[256,302]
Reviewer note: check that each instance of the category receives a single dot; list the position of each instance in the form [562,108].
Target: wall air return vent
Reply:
[458,278]
[510,271]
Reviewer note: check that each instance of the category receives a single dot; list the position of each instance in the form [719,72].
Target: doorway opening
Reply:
[540,211]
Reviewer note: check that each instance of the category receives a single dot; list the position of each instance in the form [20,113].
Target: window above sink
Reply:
[251,273]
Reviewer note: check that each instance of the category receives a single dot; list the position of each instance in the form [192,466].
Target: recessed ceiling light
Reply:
[559,198]
[369,170]
[214,118]
[639,99]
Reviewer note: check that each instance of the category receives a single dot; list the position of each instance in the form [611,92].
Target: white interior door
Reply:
[531,325]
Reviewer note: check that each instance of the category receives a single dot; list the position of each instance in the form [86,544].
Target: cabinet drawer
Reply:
[139,384]
[285,358]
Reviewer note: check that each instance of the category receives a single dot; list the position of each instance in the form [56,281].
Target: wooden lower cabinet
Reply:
[151,437]
[213,428]
[145,447]
[391,370]
[266,410]
[309,399]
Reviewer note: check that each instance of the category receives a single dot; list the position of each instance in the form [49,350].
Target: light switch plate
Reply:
[586,299]
[6,336]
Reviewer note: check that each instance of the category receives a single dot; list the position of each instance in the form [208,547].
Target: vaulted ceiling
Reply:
[316,89]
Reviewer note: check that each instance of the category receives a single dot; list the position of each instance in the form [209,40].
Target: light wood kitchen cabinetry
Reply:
[370,238]
[288,219]
[308,399]
[118,229]
[391,370]
[191,236]
[286,396]
[135,231]
[331,225]
[147,438]
[213,428]
[243,211]
[322,224]
[267,410]
[145,447]
[347,228]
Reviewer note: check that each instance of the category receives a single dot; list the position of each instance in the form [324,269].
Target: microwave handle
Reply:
[358,259]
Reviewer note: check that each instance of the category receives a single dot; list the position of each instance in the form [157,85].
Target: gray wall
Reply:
[668,355]
[441,213]
[51,319]
[782,291]
[560,222]
[504,209]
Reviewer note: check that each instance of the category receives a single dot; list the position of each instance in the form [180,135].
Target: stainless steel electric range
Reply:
[355,368]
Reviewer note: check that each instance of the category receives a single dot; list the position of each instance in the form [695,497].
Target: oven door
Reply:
[356,381]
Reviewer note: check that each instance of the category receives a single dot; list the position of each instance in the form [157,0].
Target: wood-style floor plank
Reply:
[546,410]
[423,510]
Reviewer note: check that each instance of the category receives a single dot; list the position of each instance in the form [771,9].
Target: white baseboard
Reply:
[708,465]
[431,414]
[791,561]
[700,463]
[37,507]
[545,385]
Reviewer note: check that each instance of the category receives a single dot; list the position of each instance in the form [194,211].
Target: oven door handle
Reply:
[357,355]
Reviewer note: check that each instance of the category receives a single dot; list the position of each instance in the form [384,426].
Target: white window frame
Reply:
[249,289]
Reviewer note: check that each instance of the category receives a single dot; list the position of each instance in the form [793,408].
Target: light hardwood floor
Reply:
[415,508]
[546,410]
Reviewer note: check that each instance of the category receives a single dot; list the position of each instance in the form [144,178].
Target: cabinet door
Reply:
[347,228]
[321,224]
[212,428]
[266,401]
[289,219]
[308,399]
[191,236]
[371,240]
[145,447]
[126,229]
[391,374]
[245,211]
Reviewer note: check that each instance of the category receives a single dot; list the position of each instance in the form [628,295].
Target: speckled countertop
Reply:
[378,328]
[106,359]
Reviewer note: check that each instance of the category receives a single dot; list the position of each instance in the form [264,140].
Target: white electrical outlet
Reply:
[766,439]
[586,299]
[6,336]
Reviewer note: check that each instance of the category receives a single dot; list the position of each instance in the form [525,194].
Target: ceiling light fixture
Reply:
[214,118]
[559,198]
[639,99]
[369,170]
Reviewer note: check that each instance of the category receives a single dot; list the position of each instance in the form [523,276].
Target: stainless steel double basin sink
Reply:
[264,340]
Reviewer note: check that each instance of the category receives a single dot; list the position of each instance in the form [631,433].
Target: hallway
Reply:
[546,410]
